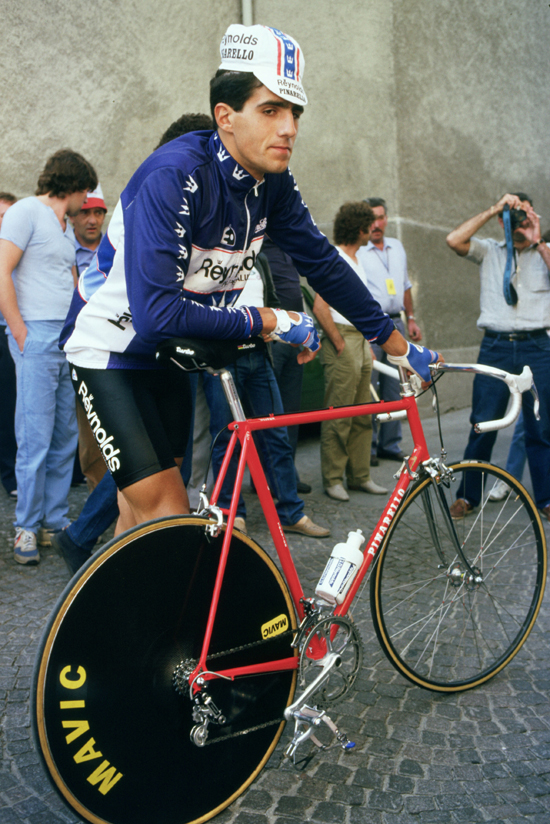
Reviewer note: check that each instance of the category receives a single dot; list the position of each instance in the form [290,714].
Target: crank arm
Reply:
[331,660]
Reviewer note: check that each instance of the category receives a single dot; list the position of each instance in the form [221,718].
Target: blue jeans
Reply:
[289,374]
[489,401]
[45,428]
[515,462]
[98,513]
[260,397]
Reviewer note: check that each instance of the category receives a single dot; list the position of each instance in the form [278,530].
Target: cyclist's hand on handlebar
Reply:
[296,328]
[417,359]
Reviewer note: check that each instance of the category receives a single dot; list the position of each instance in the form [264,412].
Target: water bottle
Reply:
[345,560]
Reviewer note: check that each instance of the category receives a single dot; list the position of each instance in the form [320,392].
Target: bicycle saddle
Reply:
[194,354]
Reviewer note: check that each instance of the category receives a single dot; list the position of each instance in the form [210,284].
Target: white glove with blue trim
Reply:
[300,332]
[417,360]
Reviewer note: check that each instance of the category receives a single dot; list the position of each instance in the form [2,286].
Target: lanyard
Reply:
[510,294]
[383,257]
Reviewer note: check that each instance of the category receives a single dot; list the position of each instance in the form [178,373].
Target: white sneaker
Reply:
[44,537]
[337,492]
[24,547]
[499,491]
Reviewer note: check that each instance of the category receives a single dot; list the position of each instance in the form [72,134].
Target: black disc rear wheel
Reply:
[112,728]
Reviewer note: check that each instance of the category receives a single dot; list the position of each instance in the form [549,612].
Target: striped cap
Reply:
[273,57]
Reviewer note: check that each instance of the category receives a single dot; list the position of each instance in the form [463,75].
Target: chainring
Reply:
[337,634]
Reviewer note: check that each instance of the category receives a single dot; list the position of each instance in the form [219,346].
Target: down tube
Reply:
[376,539]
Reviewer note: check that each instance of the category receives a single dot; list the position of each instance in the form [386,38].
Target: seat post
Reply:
[230,391]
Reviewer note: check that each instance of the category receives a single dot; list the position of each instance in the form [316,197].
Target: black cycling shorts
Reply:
[140,418]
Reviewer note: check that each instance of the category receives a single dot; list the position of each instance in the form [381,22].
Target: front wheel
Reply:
[448,621]
[111,713]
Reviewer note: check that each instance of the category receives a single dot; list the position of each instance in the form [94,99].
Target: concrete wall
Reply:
[437,105]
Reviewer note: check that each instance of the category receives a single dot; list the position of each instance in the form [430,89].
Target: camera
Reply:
[517,216]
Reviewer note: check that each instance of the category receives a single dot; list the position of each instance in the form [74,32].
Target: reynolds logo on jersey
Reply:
[214,270]
[261,226]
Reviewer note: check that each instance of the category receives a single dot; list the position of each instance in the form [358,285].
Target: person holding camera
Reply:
[515,316]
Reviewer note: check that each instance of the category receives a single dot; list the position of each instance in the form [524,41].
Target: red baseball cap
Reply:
[95,199]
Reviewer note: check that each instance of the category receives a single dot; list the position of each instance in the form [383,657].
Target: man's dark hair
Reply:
[66,172]
[377,201]
[7,197]
[523,196]
[186,123]
[351,219]
[233,88]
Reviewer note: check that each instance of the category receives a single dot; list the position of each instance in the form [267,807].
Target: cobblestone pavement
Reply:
[420,757]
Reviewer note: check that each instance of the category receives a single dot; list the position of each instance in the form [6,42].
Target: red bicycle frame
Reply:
[242,433]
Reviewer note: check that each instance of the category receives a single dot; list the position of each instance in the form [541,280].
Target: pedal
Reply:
[306,721]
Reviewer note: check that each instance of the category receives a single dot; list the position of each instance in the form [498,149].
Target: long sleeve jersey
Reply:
[181,242]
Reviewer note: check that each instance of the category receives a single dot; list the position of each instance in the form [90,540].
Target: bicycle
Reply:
[169,665]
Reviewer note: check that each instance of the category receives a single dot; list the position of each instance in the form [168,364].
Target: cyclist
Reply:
[180,245]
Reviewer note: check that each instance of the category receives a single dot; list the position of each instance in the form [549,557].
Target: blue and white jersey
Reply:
[178,251]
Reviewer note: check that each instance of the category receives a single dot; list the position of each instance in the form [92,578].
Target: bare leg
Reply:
[156,496]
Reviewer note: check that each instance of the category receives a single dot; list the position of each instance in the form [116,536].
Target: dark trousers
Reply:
[289,374]
[8,445]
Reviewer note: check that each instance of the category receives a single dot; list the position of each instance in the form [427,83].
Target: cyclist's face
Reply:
[261,136]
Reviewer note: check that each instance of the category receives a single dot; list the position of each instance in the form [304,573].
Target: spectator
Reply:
[8,444]
[76,542]
[37,276]
[515,313]
[385,264]
[183,125]
[260,397]
[288,372]
[517,456]
[346,442]
[87,225]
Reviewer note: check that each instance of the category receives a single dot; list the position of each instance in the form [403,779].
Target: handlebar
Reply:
[517,384]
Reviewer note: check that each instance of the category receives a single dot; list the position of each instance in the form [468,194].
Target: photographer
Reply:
[515,316]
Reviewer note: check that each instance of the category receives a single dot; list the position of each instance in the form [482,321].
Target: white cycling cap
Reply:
[273,57]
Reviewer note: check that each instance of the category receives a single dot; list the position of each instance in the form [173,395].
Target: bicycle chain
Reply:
[250,645]
[243,732]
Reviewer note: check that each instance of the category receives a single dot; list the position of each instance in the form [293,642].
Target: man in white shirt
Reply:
[346,443]
[385,264]
[37,278]
[515,316]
